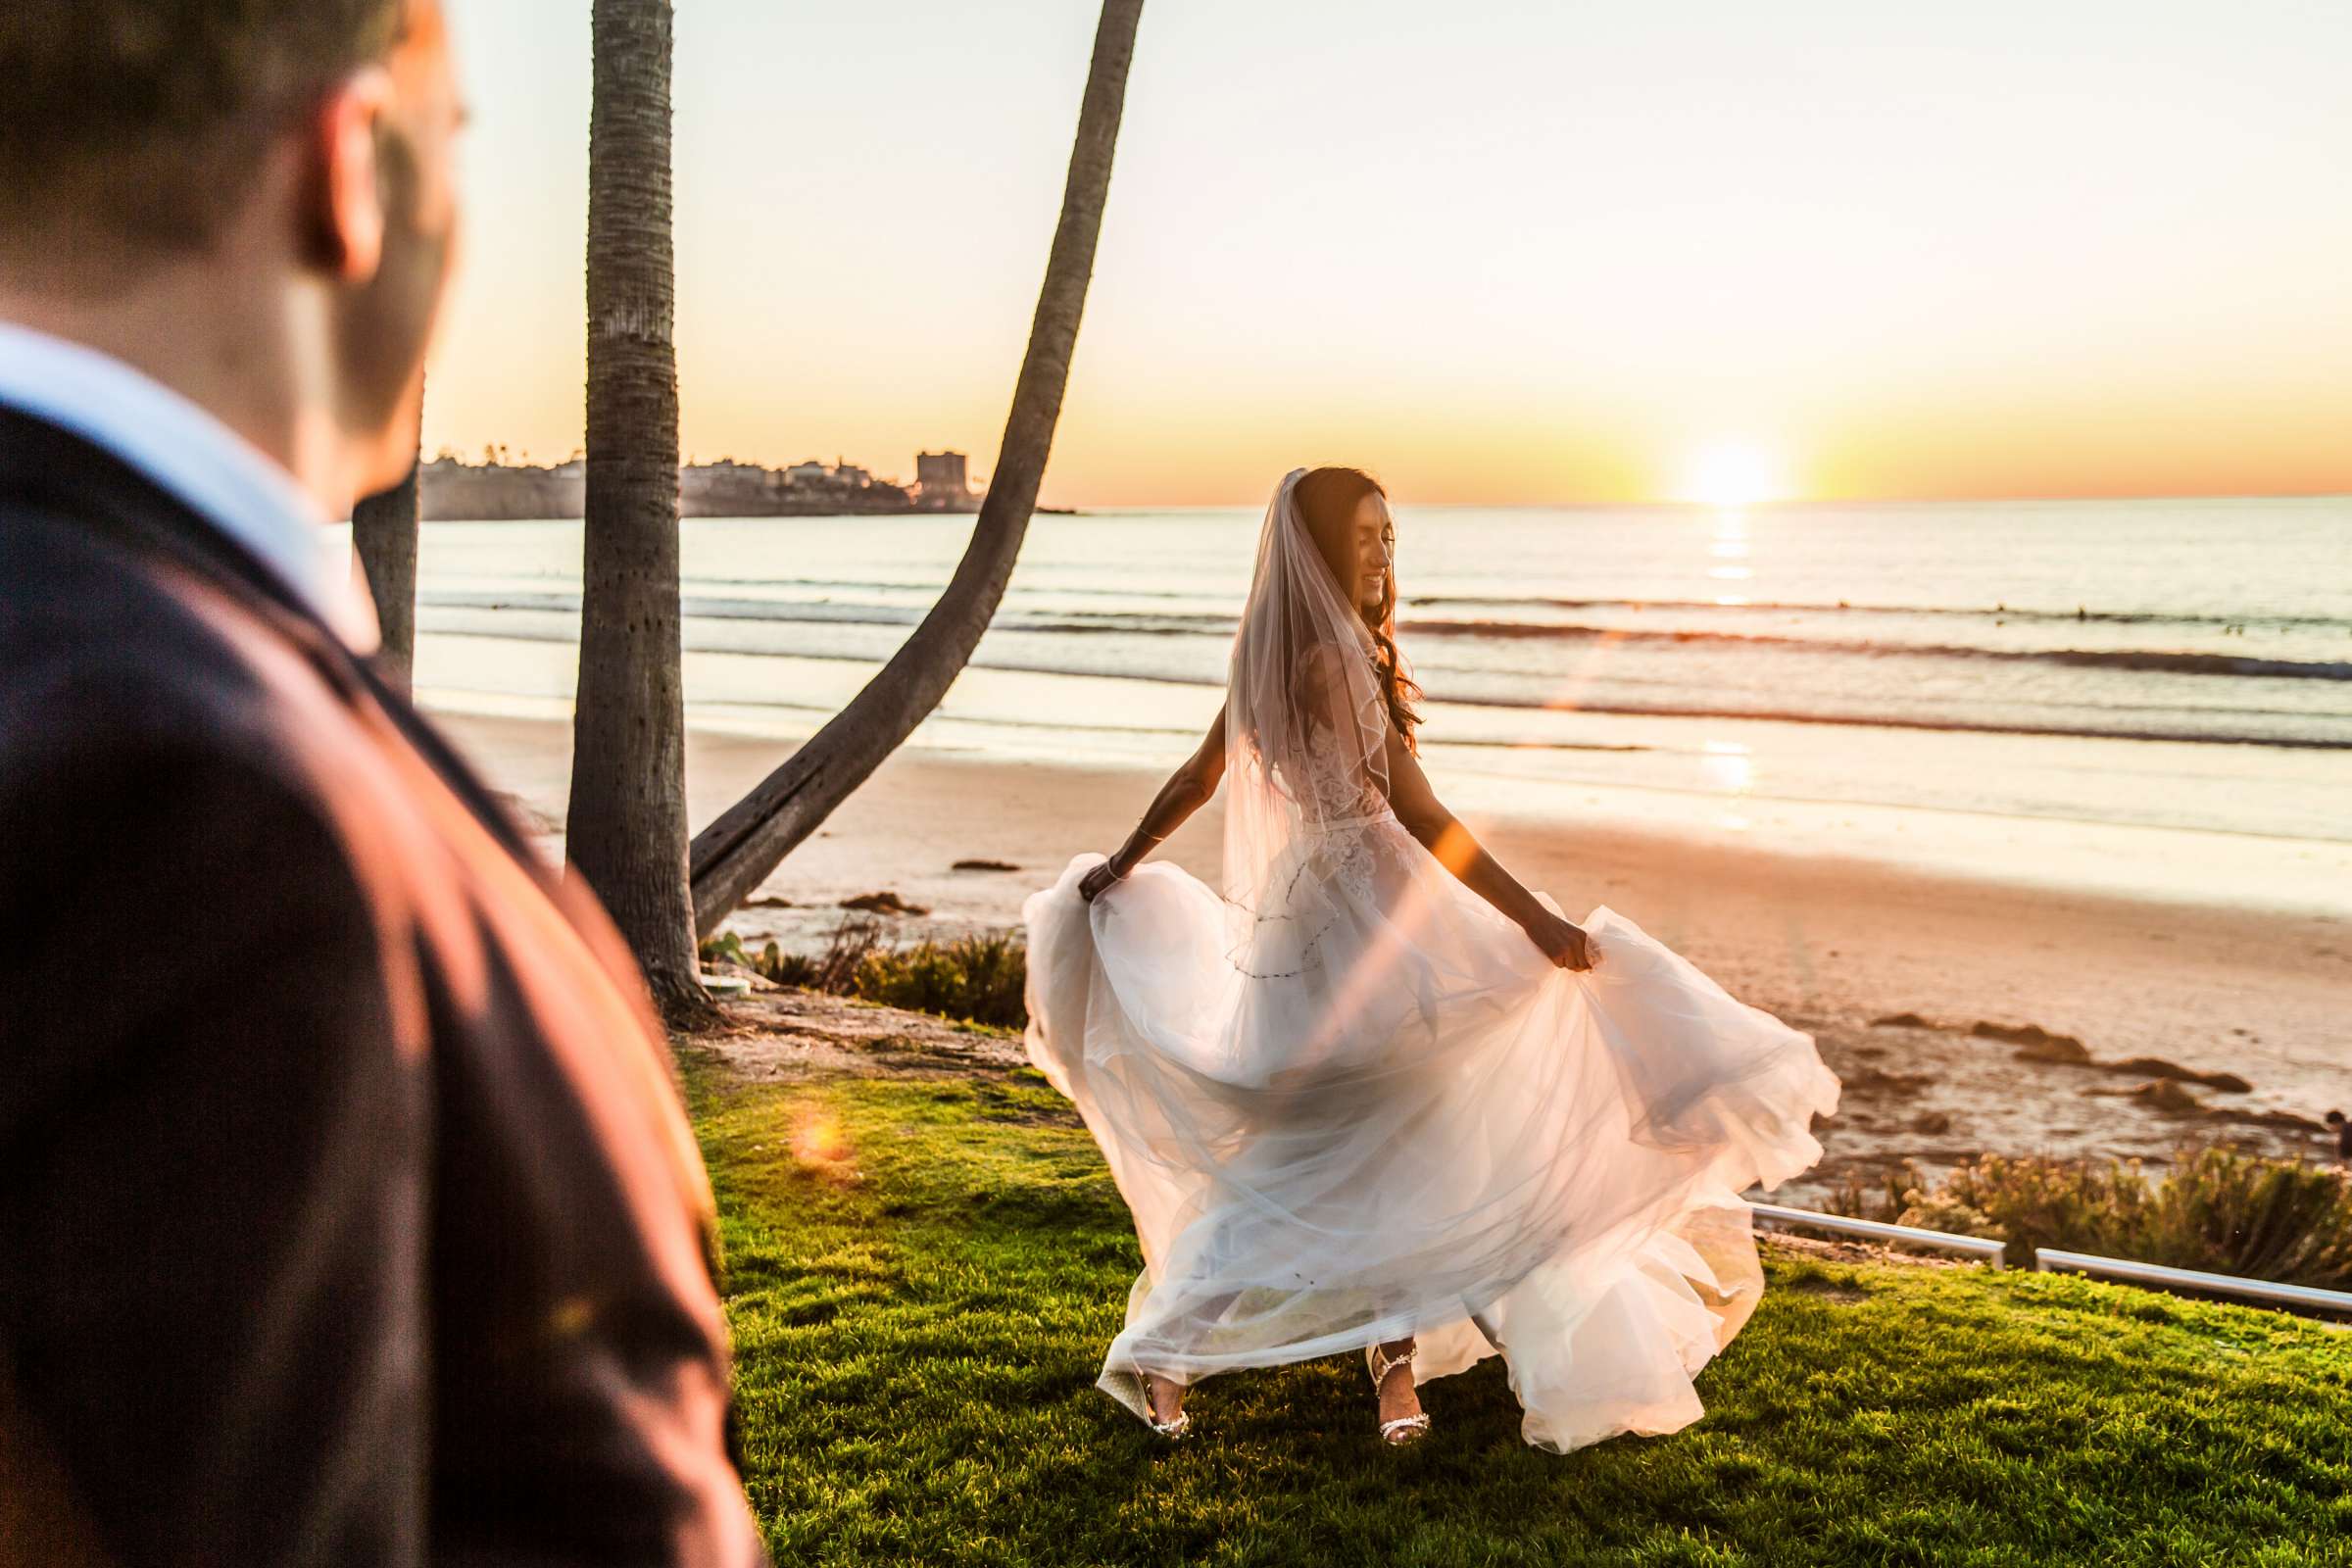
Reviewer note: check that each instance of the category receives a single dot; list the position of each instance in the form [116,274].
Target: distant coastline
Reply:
[453,491]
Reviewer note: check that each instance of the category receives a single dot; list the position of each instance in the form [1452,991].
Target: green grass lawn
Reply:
[922,1276]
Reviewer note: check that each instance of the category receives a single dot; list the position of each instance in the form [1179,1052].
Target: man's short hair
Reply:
[138,125]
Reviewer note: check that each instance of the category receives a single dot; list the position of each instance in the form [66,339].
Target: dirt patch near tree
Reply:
[778,1035]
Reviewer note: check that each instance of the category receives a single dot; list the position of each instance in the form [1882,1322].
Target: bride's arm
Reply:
[1187,790]
[1426,818]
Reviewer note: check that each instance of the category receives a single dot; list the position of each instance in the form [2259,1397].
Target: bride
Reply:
[1380,1096]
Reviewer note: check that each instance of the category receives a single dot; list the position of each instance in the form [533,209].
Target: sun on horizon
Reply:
[1733,473]
[1859,240]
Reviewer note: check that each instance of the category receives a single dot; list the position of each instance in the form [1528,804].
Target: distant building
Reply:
[942,474]
[452,489]
[727,473]
[727,488]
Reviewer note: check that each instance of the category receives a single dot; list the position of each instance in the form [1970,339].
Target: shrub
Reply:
[978,979]
[835,970]
[2218,1210]
[727,948]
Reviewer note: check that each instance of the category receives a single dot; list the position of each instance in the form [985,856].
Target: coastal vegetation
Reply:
[922,1275]
[2214,1209]
[974,979]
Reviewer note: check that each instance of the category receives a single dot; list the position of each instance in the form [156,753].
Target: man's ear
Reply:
[348,210]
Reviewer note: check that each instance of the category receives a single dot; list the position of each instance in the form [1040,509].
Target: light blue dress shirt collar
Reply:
[178,445]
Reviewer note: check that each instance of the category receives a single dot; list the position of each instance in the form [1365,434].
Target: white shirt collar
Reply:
[177,445]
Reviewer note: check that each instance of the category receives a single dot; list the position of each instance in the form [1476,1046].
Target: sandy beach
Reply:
[1836,945]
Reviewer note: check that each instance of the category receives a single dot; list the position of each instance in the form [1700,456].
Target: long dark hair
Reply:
[1327,502]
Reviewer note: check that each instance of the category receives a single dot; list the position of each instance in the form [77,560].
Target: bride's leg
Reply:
[1399,1400]
[1165,1398]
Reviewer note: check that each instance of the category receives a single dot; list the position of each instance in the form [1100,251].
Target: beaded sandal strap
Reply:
[1382,1365]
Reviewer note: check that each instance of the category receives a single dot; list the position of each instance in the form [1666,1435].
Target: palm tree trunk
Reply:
[736,852]
[627,832]
[383,532]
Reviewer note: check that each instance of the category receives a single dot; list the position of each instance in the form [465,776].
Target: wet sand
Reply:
[1827,942]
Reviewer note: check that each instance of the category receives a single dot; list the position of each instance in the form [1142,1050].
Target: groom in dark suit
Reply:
[348,1210]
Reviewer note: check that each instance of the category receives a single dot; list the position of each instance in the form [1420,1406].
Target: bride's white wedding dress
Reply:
[1349,1100]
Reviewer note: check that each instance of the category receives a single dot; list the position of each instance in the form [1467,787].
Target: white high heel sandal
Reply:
[1405,1428]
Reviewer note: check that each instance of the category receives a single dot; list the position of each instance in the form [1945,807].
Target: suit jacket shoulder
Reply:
[348,1212]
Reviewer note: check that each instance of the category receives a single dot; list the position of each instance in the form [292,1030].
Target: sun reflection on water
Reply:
[1729,768]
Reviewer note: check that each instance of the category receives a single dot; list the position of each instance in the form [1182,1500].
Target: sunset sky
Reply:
[1496,252]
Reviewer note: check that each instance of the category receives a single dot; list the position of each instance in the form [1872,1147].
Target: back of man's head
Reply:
[254,202]
[130,131]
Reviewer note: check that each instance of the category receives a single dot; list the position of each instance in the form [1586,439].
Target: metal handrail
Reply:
[1979,1246]
[2049,1260]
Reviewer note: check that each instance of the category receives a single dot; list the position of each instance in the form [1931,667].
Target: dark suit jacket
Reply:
[348,1210]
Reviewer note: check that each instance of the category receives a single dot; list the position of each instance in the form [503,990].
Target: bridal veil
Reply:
[1347,1101]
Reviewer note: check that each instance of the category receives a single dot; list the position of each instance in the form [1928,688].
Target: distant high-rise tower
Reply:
[941,473]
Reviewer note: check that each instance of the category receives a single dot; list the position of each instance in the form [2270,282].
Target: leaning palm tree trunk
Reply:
[627,831]
[736,852]
[383,532]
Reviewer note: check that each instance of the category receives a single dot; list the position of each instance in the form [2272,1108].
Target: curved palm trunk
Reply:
[383,533]
[750,839]
[627,831]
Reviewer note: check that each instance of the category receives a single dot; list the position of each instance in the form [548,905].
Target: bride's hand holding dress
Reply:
[1438,830]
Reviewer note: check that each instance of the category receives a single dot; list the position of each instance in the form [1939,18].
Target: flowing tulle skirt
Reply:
[1372,1109]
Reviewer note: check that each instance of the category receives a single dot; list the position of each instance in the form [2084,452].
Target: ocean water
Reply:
[2160,687]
